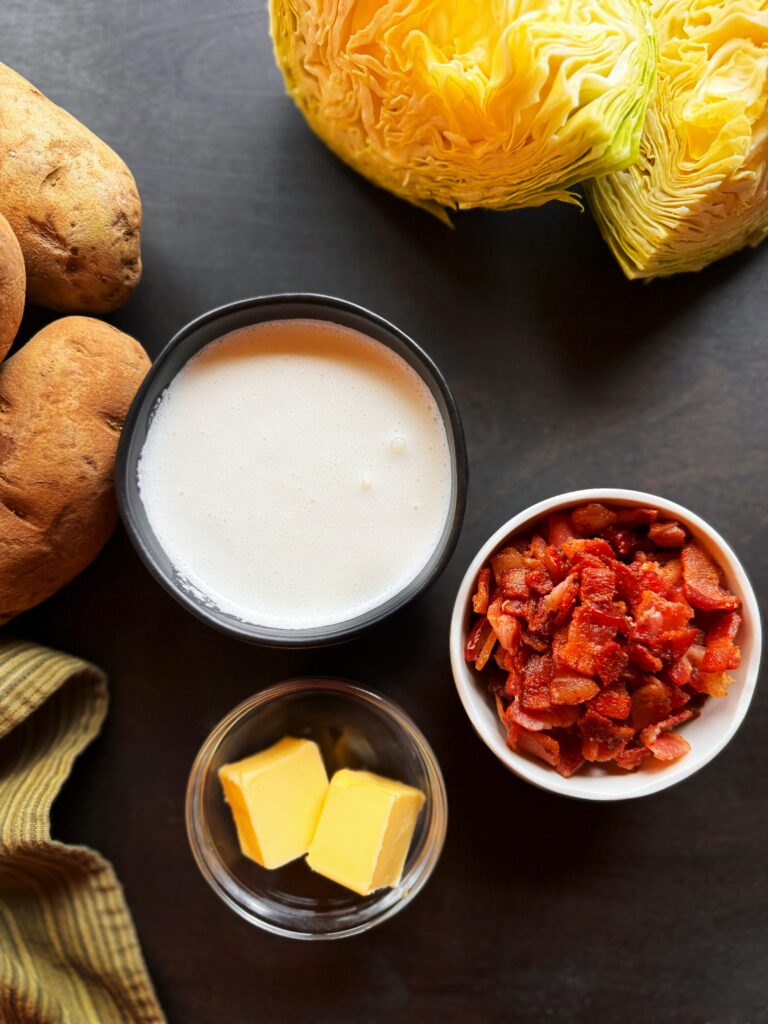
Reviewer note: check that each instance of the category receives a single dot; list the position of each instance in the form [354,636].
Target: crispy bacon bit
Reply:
[537,676]
[592,518]
[572,689]
[603,638]
[701,580]
[612,702]
[721,652]
[715,684]
[632,758]
[667,534]
[482,598]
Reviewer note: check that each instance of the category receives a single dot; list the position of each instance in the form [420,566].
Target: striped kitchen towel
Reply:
[68,949]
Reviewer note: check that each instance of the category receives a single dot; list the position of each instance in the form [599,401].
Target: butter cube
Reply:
[364,831]
[276,797]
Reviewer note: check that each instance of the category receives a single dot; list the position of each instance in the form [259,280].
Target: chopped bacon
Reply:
[716,684]
[539,580]
[508,558]
[587,636]
[602,638]
[476,639]
[644,658]
[637,515]
[592,518]
[580,546]
[598,584]
[594,726]
[721,653]
[572,689]
[632,758]
[650,704]
[512,582]
[482,598]
[537,676]
[669,534]
[505,626]
[537,743]
[562,598]
[536,721]
[559,529]
[701,579]
[612,702]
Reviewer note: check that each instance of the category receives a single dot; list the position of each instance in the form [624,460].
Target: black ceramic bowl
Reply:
[186,344]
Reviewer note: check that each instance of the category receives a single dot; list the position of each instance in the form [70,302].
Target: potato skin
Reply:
[63,399]
[12,286]
[71,201]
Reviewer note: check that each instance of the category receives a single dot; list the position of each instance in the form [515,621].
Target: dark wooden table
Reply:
[542,909]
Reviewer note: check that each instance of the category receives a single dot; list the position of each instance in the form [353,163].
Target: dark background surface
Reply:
[542,909]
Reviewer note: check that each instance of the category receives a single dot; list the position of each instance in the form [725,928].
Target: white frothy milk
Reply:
[297,474]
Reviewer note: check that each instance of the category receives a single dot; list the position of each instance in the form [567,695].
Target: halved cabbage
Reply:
[700,188]
[463,103]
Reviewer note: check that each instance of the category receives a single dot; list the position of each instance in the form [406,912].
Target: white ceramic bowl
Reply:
[708,734]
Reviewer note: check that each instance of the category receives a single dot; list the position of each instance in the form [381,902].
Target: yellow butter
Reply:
[276,797]
[364,831]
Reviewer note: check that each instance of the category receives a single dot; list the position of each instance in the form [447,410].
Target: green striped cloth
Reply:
[68,949]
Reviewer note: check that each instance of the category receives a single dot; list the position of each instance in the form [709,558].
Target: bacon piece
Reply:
[637,515]
[612,702]
[645,659]
[650,704]
[482,598]
[536,721]
[623,542]
[674,643]
[592,518]
[594,726]
[721,652]
[512,582]
[537,676]
[634,579]
[485,651]
[589,631]
[667,534]
[572,689]
[570,758]
[506,627]
[598,584]
[701,579]
[681,671]
[562,598]
[554,563]
[611,663]
[669,746]
[537,743]
[672,574]
[537,547]
[715,684]
[580,546]
[476,639]
[655,615]
[539,580]
[559,529]
[632,757]
[652,733]
[594,750]
[510,557]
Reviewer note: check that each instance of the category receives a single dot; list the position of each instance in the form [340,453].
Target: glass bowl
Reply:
[354,728]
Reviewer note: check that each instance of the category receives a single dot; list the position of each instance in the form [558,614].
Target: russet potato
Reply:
[63,399]
[71,201]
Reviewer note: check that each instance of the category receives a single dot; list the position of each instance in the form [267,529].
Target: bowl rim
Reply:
[638,785]
[216,873]
[267,636]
